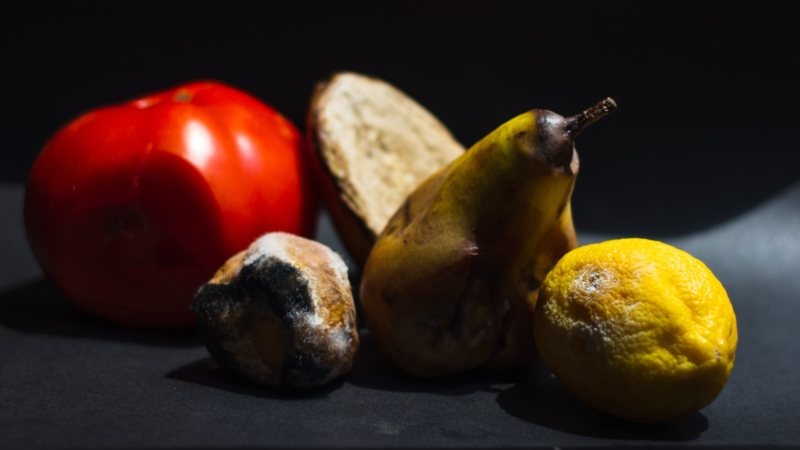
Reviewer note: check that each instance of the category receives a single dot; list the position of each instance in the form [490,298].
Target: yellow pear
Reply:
[452,281]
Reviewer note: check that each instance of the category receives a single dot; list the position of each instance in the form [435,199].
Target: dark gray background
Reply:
[701,153]
[707,91]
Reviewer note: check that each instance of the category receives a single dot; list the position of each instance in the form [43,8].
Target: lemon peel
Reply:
[636,328]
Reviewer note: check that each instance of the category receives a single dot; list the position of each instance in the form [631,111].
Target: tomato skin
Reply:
[130,208]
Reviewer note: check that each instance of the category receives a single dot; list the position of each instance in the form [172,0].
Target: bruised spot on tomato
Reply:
[126,221]
[183,96]
[188,221]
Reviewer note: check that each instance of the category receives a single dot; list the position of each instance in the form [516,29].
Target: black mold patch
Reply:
[208,304]
[300,371]
[266,286]
[278,287]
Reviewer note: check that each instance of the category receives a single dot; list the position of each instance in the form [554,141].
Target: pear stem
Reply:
[576,124]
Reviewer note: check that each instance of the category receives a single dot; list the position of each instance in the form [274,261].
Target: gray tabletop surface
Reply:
[68,380]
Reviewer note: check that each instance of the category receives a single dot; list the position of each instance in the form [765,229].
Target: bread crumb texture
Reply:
[378,144]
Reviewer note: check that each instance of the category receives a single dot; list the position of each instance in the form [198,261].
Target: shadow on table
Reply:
[207,372]
[371,370]
[40,308]
[540,399]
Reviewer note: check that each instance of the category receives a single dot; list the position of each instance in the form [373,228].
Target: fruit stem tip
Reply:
[576,124]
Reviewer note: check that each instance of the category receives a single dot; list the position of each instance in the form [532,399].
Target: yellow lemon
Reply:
[636,328]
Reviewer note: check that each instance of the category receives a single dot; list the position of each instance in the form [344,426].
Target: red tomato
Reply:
[130,208]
